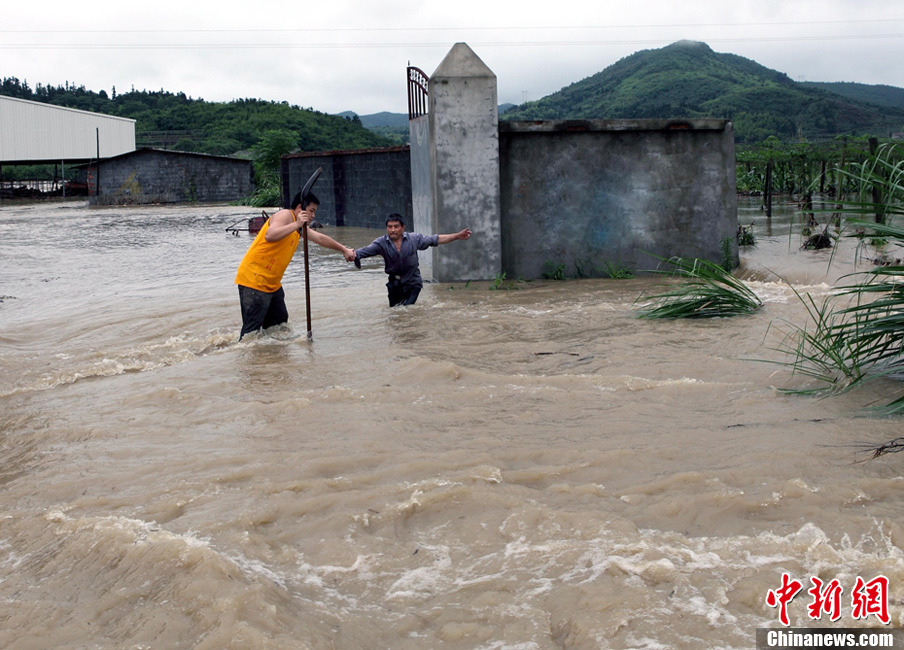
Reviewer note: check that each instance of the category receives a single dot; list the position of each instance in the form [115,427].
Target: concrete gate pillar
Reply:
[464,146]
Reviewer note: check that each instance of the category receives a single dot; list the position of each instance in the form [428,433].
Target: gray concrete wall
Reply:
[157,176]
[586,193]
[356,188]
[422,187]
[464,136]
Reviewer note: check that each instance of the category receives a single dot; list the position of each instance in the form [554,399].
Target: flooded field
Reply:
[532,468]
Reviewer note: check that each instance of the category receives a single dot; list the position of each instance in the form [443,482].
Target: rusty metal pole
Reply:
[304,233]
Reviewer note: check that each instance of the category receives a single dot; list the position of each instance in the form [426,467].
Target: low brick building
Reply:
[160,176]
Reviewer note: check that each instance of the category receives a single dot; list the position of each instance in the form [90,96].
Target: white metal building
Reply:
[35,132]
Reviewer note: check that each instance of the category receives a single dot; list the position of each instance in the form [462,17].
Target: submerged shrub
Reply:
[553,271]
[857,334]
[618,271]
[746,236]
[707,291]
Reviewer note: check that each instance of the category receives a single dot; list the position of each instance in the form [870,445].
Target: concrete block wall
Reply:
[356,188]
[579,195]
[572,197]
[158,176]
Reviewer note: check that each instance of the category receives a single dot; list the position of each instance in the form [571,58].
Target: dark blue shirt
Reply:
[401,265]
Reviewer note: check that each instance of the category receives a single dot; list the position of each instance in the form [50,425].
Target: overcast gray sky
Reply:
[337,55]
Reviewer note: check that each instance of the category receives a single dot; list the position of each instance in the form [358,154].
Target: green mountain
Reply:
[875,94]
[393,126]
[376,120]
[165,119]
[688,80]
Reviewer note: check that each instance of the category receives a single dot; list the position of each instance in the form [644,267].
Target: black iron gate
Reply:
[417,92]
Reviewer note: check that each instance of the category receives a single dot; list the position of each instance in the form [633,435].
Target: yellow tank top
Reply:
[265,262]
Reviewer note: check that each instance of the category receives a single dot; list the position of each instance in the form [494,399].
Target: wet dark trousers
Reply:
[261,310]
[400,294]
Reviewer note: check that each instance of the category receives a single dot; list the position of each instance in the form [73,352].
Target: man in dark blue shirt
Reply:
[399,251]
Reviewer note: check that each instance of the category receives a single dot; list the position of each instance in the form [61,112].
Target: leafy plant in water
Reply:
[708,291]
[617,271]
[746,236]
[588,269]
[267,193]
[818,241]
[553,271]
[727,254]
[467,285]
[858,333]
[500,283]
[821,353]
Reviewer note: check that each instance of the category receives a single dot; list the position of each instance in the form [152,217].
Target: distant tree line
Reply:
[247,128]
[176,121]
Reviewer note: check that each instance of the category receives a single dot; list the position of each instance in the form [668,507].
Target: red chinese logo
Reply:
[826,600]
[867,598]
[871,598]
[781,597]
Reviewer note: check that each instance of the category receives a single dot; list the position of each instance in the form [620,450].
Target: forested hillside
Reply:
[688,80]
[875,94]
[172,120]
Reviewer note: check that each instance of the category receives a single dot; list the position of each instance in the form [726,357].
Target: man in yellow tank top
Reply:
[260,273]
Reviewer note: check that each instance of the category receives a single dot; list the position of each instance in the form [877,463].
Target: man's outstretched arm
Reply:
[445,239]
[328,242]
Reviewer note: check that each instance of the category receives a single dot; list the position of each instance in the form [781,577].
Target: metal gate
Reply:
[417,92]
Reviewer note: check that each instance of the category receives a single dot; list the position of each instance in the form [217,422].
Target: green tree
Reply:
[274,144]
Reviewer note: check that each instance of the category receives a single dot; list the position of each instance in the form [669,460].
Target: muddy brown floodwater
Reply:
[527,469]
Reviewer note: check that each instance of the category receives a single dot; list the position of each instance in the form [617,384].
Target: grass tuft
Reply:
[857,334]
[707,291]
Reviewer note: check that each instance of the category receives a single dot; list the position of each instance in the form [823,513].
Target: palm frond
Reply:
[707,290]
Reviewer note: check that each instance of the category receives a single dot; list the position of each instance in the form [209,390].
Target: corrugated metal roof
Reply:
[38,132]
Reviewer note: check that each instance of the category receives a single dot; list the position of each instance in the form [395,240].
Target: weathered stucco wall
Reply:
[158,176]
[464,135]
[422,187]
[356,188]
[579,195]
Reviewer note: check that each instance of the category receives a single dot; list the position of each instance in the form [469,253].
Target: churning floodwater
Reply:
[528,468]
